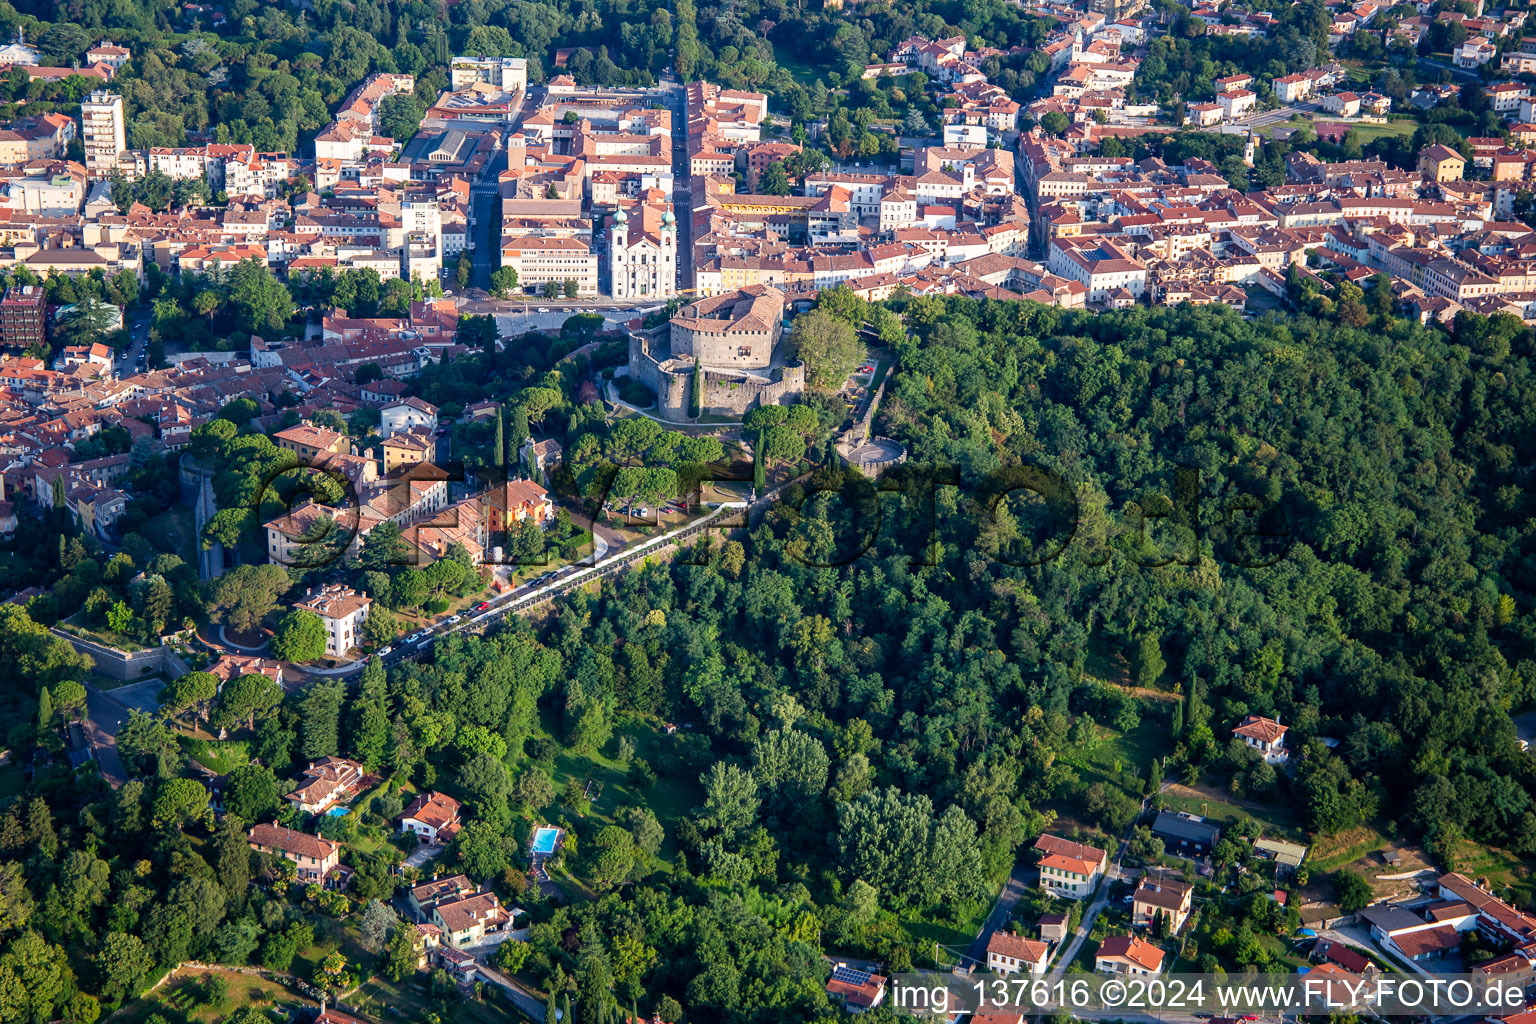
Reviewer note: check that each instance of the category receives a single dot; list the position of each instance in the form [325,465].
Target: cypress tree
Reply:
[550,1014]
[759,473]
[518,435]
[500,447]
[696,393]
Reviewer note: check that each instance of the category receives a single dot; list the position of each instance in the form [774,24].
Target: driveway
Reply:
[526,1001]
[420,855]
[104,716]
[1013,890]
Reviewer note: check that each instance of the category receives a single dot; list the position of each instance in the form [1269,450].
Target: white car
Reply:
[385,652]
[454,618]
[543,309]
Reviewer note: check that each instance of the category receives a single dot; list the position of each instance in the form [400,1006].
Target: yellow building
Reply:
[411,448]
[1442,163]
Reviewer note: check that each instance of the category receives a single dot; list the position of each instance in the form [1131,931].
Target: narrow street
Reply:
[1013,890]
[104,716]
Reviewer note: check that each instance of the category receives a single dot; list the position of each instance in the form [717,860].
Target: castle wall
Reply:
[725,349]
[724,394]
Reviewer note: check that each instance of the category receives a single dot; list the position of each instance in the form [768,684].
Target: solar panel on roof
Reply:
[851,976]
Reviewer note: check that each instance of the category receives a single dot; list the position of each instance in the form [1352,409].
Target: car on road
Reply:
[454,618]
[482,606]
[866,369]
[385,652]
[543,309]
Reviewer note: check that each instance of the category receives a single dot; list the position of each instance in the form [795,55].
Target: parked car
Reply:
[482,606]
[413,638]
[454,618]
[385,652]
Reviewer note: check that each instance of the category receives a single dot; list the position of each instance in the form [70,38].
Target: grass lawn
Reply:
[670,799]
[1332,852]
[1268,130]
[1500,867]
[220,757]
[1369,133]
[1278,821]
[956,932]
[179,1000]
[1121,759]
[412,1000]
[330,935]
[803,72]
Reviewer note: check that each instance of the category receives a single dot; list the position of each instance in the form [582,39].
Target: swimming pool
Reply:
[338,812]
[544,839]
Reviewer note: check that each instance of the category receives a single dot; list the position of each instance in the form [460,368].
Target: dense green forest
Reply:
[884,690]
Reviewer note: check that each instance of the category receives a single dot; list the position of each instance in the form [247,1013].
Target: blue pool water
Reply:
[337,812]
[545,838]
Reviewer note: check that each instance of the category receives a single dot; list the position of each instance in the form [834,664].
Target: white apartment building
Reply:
[545,262]
[103,131]
[507,73]
[1104,270]
[178,163]
[343,611]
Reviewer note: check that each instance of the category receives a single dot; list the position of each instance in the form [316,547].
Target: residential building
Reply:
[432,817]
[1185,835]
[412,448]
[469,920]
[309,441]
[1497,921]
[1067,868]
[1127,954]
[103,130]
[513,502]
[1265,735]
[23,316]
[315,857]
[1236,102]
[1010,954]
[858,991]
[327,782]
[1474,53]
[1441,163]
[343,611]
[541,457]
[407,414]
[421,898]
[1418,938]
[510,74]
[1161,898]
